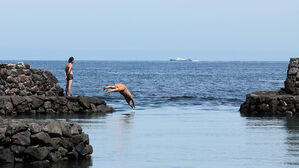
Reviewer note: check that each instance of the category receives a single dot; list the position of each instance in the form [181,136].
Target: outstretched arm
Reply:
[113,90]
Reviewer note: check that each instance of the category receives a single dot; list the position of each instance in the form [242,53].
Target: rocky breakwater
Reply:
[35,91]
[283,102]
[41,141]
[15,105]
[19,79]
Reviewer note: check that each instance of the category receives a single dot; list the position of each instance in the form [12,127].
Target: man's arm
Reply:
[69,69]
[65,75]
[133,102]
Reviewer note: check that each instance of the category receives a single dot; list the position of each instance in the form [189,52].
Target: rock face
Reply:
[283,102]
[19,79]
[41,141]
[292,81]
[34,91]
[52,105]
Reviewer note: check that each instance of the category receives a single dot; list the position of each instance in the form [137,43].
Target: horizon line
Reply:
[145,60]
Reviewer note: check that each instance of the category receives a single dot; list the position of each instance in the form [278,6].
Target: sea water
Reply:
[186,115]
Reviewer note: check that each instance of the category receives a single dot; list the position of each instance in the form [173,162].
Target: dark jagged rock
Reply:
[35,91]
[36,153]
[283,102]
[84,150]
[41,138]
[22,138]
[23,141]
[53,128]
[53,105]
[24,78]
[17,150]
[6,156]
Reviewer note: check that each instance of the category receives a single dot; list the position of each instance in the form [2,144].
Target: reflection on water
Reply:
[84,163]
[292,141]
[281,135]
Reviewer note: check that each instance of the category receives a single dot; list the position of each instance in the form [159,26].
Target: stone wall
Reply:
[30,91]
[270,103]
[41,141]
[292,80]
[19,79]
[283,102]
[10,105]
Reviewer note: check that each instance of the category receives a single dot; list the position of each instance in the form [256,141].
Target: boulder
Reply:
[73,155]
[17,150]
[66,143]
[47,105]
[84,150]
[76,129]
[62,151]
[66,129]
[6,155]
[84,101]
[37,153]
[76,139]
[16,100]
[96,101]
[53,128]
[35,128]
[41,138]
[22,138]
[36,102]
[14,127]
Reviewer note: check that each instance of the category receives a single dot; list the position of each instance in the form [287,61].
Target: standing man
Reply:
[69,76]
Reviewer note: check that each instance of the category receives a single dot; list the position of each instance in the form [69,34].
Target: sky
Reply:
[213,30]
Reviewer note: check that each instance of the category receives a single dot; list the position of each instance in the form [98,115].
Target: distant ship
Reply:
[183,59]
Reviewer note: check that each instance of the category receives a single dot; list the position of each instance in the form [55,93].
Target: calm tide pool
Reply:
[172,137]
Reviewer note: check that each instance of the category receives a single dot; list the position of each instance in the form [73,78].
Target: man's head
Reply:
[71,60]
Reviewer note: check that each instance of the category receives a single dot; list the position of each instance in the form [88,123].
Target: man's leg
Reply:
[108,87]
[67,87]
[128,101]
[70,87]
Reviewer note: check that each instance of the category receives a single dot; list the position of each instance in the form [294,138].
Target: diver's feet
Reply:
[103,89]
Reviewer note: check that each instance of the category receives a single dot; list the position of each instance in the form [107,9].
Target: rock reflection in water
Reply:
[292,141]
[83,163]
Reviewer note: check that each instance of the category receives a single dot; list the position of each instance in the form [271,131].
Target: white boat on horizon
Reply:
[183,59]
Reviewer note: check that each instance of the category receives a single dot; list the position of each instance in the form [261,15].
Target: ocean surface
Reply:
[186,115]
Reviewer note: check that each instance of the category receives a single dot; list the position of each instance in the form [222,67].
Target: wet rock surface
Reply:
[283,102]
[21,141]
[10,105]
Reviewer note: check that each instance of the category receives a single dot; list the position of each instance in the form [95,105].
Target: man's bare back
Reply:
[122,89]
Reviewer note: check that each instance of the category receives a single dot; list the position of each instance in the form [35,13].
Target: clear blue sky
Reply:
[208,30]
